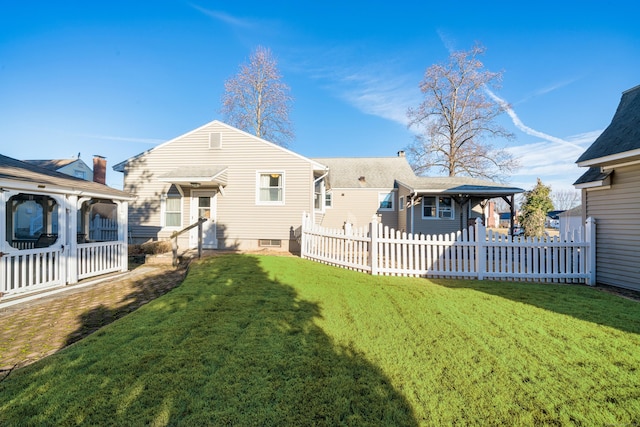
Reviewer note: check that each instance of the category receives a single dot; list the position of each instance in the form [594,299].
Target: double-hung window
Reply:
[437,207]
[328,199]
[173,210]
[270,188]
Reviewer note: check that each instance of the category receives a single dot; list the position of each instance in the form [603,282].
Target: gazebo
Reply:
[56,229]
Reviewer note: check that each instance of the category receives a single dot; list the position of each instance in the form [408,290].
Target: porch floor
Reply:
[37,328]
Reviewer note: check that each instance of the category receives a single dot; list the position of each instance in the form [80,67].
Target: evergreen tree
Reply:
[534,209]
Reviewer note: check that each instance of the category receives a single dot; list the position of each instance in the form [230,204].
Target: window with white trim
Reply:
[437,207]
[401,203]
[270,188]
[328,199]
[318,191]
[385,201]
[172,210]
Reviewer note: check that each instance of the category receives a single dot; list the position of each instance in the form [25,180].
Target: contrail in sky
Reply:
[524,128]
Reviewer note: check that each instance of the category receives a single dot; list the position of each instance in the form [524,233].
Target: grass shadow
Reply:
[144,290]
[579,301]
[230,346]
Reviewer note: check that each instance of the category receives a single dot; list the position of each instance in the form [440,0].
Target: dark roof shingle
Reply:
[622,134]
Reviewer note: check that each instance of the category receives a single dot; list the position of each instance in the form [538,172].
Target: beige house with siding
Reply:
[611,194]
[253,192]
[358,188]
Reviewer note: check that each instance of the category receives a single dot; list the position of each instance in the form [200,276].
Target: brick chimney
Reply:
[99,169]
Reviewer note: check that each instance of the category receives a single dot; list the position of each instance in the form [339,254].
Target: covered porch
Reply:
[56,230]
[459,201]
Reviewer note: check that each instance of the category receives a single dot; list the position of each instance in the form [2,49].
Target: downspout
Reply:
[412,210]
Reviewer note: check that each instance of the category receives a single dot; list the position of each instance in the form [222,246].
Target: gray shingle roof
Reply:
[53,164]
[366,172]
[458,185]
[16,170]
[622,134]
[593,174]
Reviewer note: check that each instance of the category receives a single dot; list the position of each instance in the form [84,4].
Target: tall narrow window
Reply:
[317,197]
[271,188]
[429,207]
[173,211]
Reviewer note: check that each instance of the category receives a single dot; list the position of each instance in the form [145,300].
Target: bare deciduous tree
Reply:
[565,199]
[456,118]
[257,101]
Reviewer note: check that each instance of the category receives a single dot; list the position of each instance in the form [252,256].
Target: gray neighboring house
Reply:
[436,205]
[611,194]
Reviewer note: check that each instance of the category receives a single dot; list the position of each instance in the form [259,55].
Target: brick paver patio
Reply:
[32,330]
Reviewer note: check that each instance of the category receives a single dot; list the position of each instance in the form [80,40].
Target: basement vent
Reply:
[269,243]
[215,140]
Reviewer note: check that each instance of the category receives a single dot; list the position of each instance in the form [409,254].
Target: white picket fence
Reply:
[471,253]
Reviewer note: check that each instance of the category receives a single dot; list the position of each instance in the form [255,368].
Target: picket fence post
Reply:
[303,237]
[590,237]
[373,245]
[481,245]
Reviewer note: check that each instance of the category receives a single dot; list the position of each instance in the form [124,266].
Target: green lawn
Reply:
[253,340]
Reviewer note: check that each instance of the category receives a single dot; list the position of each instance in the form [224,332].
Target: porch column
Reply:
[71,244]
[123,233]
[3,237]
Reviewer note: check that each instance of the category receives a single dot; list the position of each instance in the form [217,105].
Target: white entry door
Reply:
[203,205]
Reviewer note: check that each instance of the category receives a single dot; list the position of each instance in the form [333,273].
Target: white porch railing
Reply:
[471,253]
[31,270]
[99,258]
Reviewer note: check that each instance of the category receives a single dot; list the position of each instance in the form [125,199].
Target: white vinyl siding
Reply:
[357,206]
[240,220]
[215,141]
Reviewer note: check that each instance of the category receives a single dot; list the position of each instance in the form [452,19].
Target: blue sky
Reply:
[116,78]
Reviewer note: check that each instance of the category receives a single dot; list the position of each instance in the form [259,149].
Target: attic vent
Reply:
[215,140]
